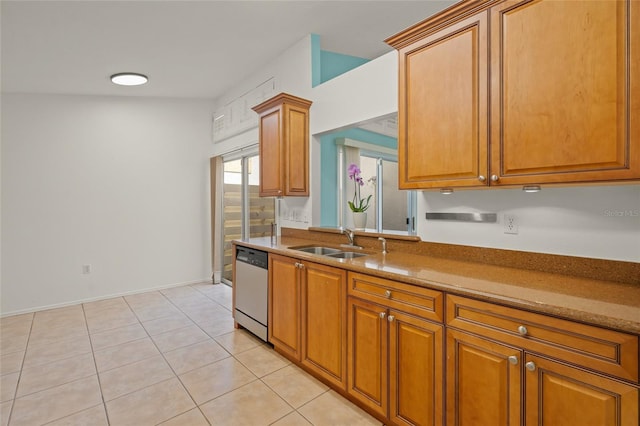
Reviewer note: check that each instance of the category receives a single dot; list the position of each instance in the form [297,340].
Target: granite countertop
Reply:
[604,303]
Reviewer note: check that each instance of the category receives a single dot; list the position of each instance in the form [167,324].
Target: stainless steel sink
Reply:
[329,251]
[319,250]
[347,255]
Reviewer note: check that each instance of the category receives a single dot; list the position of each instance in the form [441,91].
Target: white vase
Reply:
[359,220]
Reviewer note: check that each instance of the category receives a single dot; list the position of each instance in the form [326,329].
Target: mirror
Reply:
[372,146]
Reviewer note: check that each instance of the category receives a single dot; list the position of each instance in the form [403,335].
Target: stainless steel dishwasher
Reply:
[251,290]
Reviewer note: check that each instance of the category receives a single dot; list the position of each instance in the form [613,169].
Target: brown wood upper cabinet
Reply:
[284,146]
[520,92]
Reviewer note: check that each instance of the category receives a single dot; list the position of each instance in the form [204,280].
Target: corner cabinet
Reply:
[520,92]
[284,146]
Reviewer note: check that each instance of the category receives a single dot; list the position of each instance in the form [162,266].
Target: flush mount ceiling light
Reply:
[129,79]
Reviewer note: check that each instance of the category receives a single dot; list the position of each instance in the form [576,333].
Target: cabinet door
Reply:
[296,176]
[324,328]
[367,354]
[284,305]
[565,91]
[284,146]
[558,395]
[415,370]
[443,108]
[271,153]
[483,382]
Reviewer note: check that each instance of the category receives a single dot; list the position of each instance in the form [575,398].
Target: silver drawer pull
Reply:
[513,360]
[523,330]
[390,318]
[383,314]
[531,366]
[387,294]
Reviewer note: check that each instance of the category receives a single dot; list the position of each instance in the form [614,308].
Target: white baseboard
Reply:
[95,299]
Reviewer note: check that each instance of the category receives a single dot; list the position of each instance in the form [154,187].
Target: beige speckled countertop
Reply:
[609,304]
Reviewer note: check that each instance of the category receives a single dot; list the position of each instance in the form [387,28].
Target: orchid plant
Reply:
[358,204]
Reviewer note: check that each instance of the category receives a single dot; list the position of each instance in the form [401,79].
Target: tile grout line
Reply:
[93,355]
[24,356]
[267,385]
[168,363]
[231,355]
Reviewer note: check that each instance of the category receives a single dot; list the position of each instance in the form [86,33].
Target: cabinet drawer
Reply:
[593,347]
[409,298]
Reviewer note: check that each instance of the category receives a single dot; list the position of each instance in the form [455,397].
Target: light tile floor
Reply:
[169,357]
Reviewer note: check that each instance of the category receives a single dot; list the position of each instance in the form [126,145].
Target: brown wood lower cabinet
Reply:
[383,344]
[511,367]
[284,305]
[415,370]
[483,381]
[559,394]
[324,327]
[395,364]
[367,355]
[487,380]
[307,315]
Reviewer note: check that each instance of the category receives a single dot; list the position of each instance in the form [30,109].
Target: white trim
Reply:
[366,146]
[95,299]
[245,151]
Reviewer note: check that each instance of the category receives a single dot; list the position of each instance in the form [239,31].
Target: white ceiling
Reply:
[193,49]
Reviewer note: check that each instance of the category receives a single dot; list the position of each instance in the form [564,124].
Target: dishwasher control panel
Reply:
[252,257]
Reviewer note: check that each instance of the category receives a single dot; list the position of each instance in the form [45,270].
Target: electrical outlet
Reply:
[510,224]
[86,269]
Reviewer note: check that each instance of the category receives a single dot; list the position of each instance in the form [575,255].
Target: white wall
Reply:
[364,93]
[117,183]
[597,221]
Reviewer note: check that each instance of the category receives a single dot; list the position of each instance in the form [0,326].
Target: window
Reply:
[390,210]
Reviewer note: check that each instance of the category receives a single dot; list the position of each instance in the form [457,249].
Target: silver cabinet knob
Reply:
[383,314]
[494,178]
[523,330]
[531,366]
[390,318]
[387,294]
[482,178]
[513,360]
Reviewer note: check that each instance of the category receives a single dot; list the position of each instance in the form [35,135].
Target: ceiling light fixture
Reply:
[129,79]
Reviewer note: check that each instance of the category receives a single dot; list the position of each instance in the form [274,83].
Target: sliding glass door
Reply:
[245,214]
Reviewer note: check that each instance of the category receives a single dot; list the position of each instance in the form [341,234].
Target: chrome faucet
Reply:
[384,245]
[349,233]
